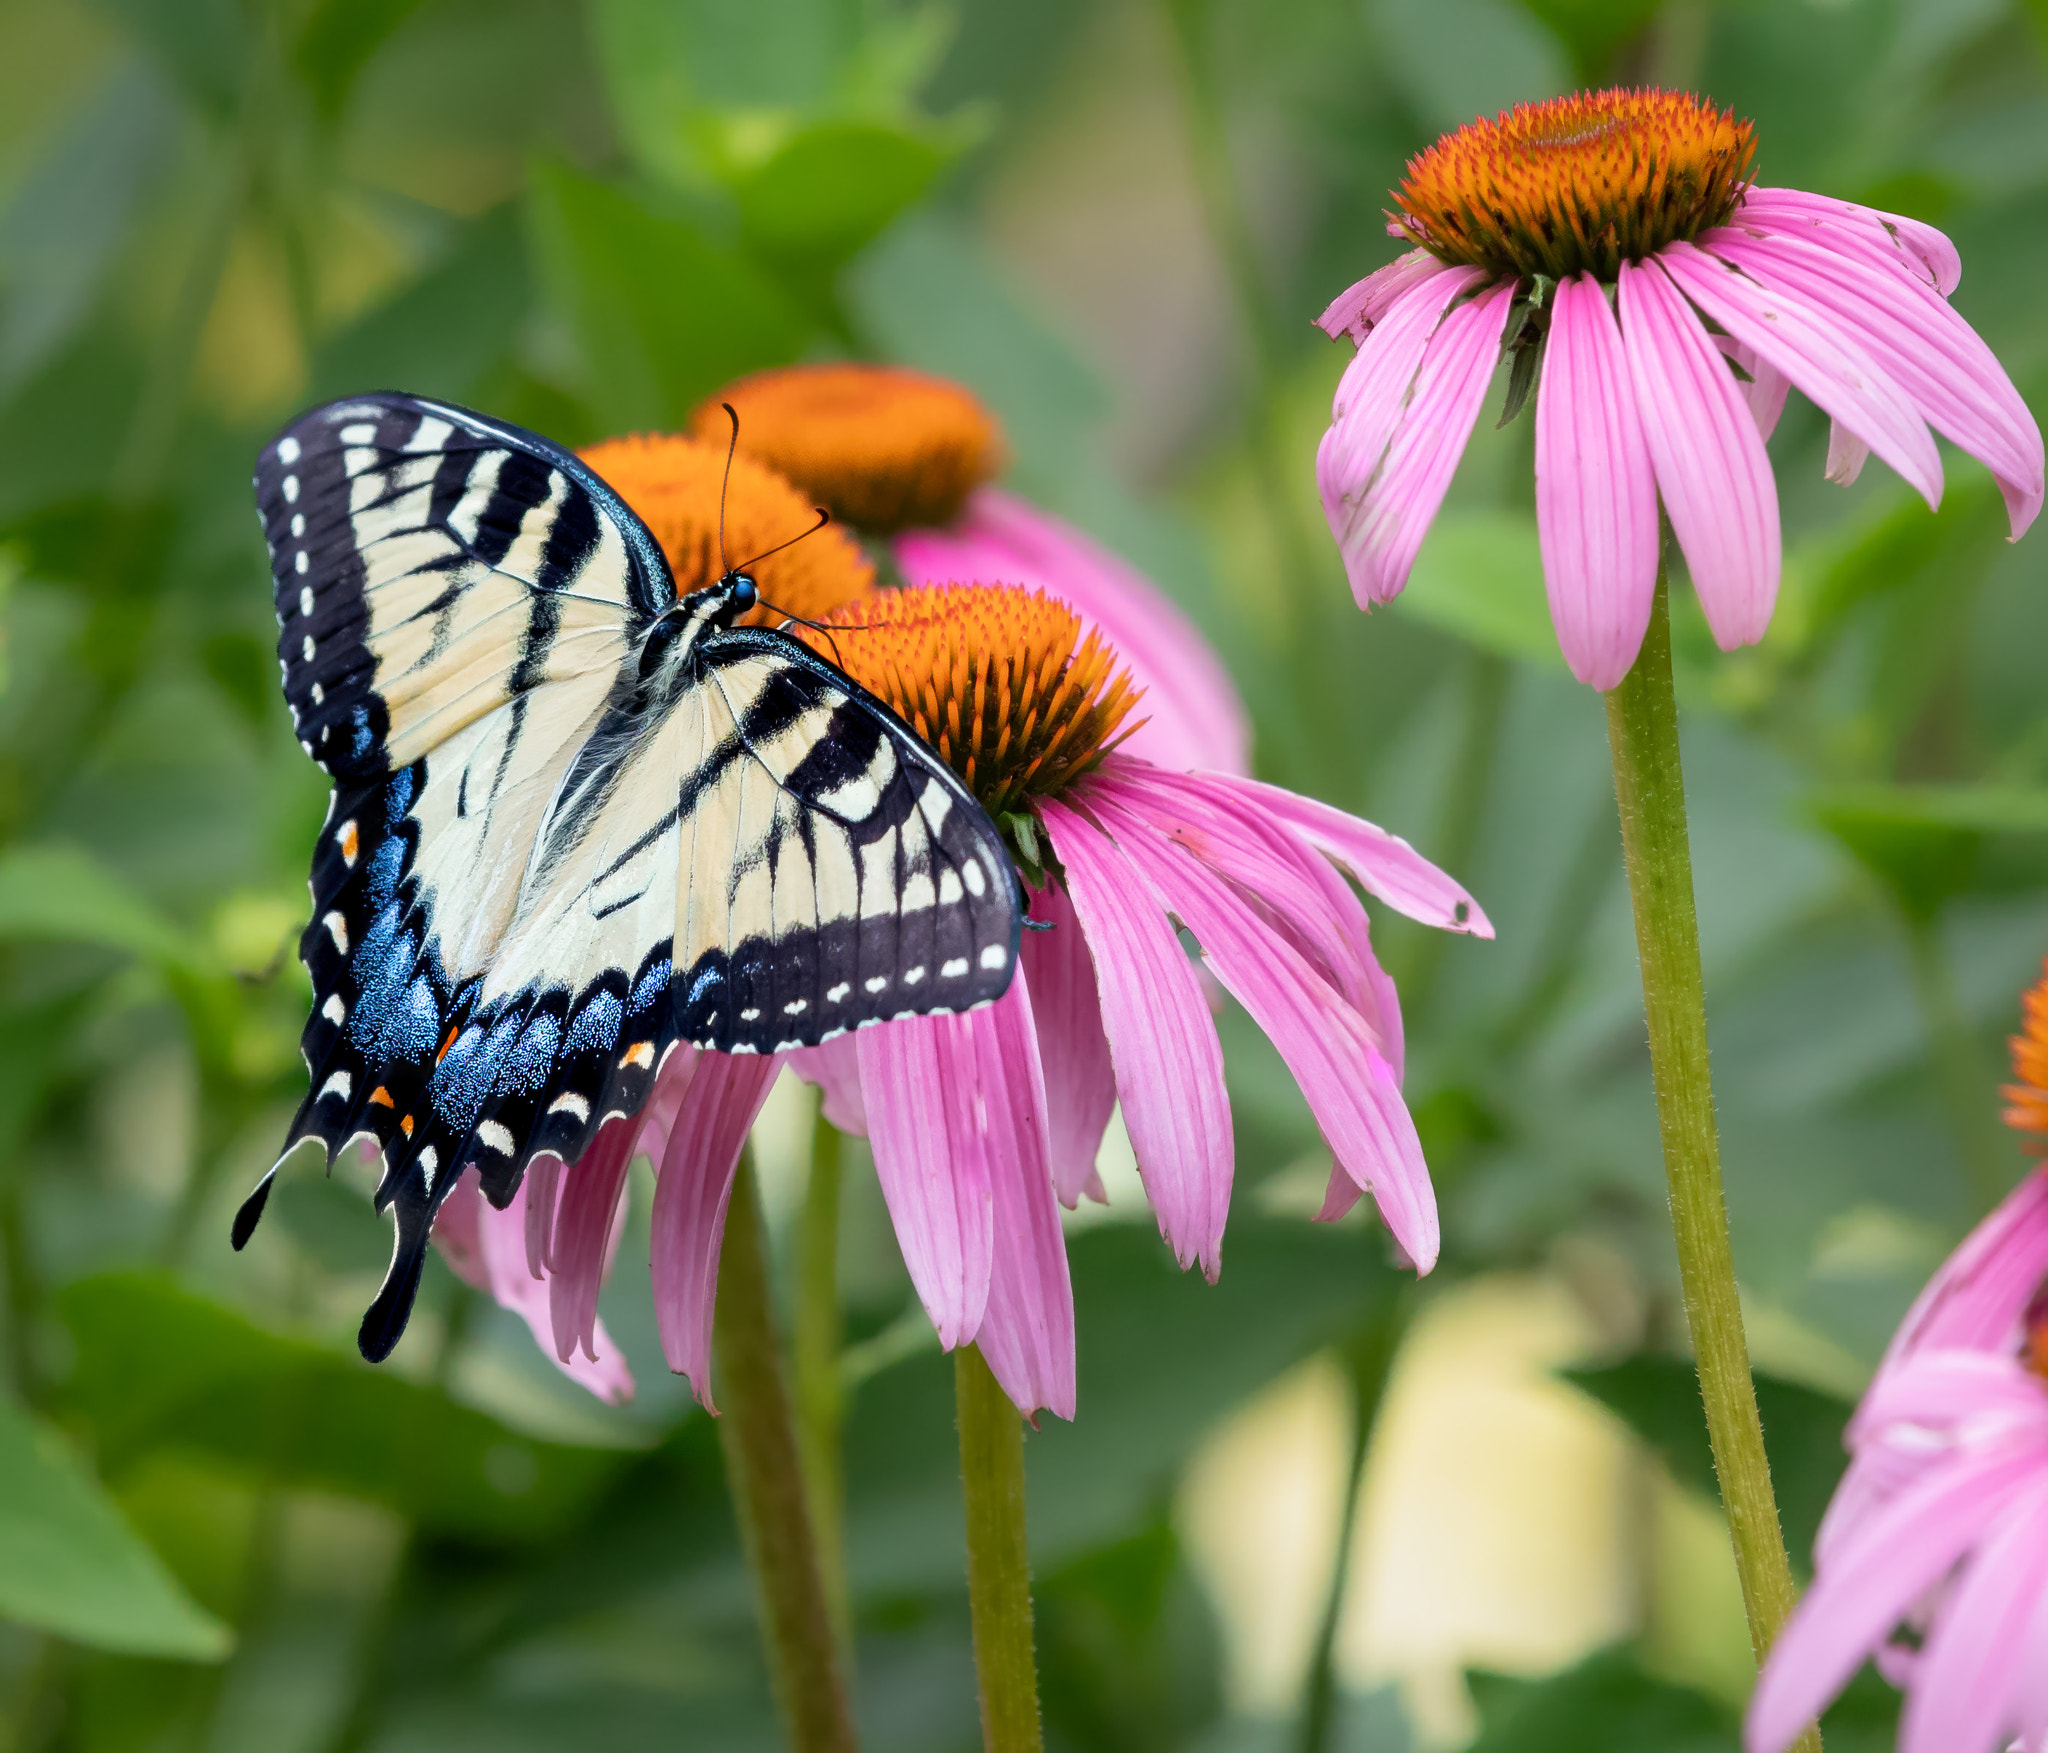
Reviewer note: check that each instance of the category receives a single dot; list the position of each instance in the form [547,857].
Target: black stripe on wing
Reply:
[379,483]
[932,920]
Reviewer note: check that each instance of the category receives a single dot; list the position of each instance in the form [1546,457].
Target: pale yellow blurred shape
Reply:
[1696,1633]
[1495,1528]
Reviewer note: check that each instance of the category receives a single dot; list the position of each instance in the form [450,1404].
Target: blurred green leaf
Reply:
[160,1367]
[661,313]
[1606,1704]
[830,189]
[1593,30]
[1658,1398]
[336,42]
[444,332]
[71,1564]
[1922,841]
[60,894]
[1479,577]
[201,43]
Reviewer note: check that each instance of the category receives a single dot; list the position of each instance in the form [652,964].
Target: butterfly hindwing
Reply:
[560,849]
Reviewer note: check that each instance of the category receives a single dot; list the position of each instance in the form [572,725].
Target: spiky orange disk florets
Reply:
[674,483]
[999,679]
[1579,183]
[2027,1099]
[885,449]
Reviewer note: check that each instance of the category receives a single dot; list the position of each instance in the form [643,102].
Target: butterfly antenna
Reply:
[725,484]
[824,517]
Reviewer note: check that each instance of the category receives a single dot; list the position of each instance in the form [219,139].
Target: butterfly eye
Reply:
[744,593]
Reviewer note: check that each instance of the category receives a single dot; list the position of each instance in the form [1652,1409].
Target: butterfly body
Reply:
[578,820]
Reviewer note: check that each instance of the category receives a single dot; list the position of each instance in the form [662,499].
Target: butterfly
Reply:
[577,819]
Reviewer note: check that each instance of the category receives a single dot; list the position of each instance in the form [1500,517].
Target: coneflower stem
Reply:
[757,1433]
[1649,786]
[998,1566]
[815,1345]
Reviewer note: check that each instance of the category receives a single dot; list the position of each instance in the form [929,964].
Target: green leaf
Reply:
[830,189]
[71,1564]
[1606,1704]
[1922,841]
[662,313]
[1593,30]
[63,895]
[1479,577]
[203,44]
[336,42]
[159,1367]
[1658,1398]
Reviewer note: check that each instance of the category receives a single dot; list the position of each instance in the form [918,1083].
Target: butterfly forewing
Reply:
[539,875]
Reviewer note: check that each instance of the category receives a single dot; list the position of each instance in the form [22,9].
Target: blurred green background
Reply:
[220,1531]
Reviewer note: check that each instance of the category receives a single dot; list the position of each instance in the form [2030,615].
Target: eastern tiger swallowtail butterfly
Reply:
[576,819]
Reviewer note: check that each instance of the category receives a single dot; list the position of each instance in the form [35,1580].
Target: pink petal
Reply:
[1872,1583]
[1349,1086]
[1372,397]
[692,1184]
[1358,308]
[1824,363]
[1339,1196]
[586,1232]
[919,1075]
[487,1249]
[1711,468]
[1935,1388]
[1846,455]
[1385,865]
[1027,1332]
[1977,1298]
[1193,715]
[1964,1695]
[1382,534]
[1922,251]
[1080,1078]
[835,1069]
[1596,499]
[1928,350]
[1308,901]
[1765,389]
[1162,1040]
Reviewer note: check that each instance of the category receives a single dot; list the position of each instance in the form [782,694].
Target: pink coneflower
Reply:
[1933,1557]
[908,459]
[1662,304]
[981,1124]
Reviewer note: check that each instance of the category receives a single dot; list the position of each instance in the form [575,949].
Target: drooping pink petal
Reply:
[1309,901]
[1977,1298]
[542,1182]
[1349,1086]
[1358,308]
[1911,244]
[1827,366]
[1383,532]
[1080,1078]
[835,1069]
[1027,1330]
[1926,348]
[1963,1696]
[1192,712]
[1711,468]
[585,1234]
[487,1250]
[1935,1388]
[1385,865]
[692,1185]
[1372,397]
[1340,1195]
[919,1076]
[1846,455]
[1596,499]
[1162,1040]
[1872,1583]
[1763,386]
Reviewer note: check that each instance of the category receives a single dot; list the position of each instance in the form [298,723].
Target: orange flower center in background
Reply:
[2027,1098]
[882,448]
[1579,183]
[674,483]
[999,679]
